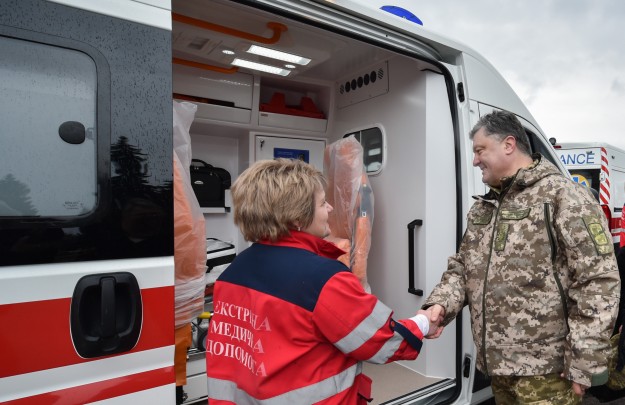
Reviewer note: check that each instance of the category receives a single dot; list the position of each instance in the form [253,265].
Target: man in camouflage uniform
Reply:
[536,267]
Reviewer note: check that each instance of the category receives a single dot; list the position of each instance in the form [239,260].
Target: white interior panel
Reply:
[271,147]
[409,188]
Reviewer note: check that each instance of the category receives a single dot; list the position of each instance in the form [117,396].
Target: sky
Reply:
[564,58]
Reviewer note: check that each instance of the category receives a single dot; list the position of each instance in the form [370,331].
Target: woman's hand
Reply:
[436,314]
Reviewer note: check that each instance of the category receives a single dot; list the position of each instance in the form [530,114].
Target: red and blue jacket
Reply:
[291,325]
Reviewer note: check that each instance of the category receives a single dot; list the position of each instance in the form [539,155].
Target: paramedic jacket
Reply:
[291,325]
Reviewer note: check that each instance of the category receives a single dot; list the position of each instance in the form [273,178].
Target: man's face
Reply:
[489,154]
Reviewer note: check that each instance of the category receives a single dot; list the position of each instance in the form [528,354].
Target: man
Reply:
[536,268]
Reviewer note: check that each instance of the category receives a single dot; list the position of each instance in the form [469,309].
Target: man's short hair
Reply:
[503,124]
[271,196]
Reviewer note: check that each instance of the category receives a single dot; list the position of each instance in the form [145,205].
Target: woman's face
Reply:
[319,226]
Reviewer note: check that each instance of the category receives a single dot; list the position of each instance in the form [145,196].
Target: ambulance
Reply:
[601,167]
[86,214]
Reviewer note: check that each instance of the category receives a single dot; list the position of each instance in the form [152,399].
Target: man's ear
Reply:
[510,144]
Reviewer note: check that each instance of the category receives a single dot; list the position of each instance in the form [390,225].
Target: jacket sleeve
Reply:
[450,291]
[593,289]
[361,326]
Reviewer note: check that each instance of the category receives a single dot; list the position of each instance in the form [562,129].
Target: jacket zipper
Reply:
[552,239]
[554,251]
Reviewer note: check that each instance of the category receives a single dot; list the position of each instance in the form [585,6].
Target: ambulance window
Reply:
[589,178]
[47,124]
[372,143]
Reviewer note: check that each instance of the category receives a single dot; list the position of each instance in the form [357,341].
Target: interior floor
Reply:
[389,379]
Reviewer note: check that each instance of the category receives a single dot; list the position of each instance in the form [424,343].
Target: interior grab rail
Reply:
[411,287]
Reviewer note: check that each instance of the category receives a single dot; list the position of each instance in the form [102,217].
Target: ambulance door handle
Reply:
[106,314]
[411,287]
[107,307]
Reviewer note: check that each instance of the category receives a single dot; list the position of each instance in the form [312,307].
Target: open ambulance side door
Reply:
[86,236]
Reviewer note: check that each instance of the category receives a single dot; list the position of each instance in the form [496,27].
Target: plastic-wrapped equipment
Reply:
[349,192]
[189,226]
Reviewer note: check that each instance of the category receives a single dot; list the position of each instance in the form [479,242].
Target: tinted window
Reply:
[47,125]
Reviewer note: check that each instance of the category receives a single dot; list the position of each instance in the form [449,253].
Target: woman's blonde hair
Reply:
[273,196]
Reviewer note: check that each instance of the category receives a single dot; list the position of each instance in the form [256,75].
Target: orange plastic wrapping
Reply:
[189,226]
[349,192]
[184,339]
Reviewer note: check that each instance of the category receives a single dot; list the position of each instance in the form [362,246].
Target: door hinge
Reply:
[466,367]
[460,88]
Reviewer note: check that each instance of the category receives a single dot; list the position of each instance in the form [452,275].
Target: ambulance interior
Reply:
[341,85]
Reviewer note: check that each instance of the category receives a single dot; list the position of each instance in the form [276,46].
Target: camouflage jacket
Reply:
[536,267]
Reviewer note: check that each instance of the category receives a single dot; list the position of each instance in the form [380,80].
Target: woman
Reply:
[291,324]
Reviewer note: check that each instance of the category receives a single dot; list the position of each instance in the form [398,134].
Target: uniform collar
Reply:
[306,241]
[522,178]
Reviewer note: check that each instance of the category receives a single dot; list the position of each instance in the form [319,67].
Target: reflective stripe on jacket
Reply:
[292,325]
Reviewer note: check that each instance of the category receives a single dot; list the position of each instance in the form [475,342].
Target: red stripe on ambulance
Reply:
[604,191]
[615,226]
[37,334]
[102,390]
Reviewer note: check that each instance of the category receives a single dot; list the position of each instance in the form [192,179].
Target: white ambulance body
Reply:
[602,167]
[86,235]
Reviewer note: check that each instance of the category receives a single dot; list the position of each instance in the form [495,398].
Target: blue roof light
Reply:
[402,12]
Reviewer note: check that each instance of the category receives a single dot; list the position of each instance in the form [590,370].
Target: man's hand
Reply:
[578,389]
[435,313]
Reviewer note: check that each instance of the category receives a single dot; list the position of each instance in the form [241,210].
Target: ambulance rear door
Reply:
[584,164]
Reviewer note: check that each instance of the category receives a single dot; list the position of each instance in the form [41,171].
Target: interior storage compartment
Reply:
[294,105]
[218,96]
[225,146]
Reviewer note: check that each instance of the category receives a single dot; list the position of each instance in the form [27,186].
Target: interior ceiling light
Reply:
[272,53]
[259,66]
[289,66]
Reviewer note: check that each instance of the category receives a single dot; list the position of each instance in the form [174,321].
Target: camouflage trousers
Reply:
[548,389]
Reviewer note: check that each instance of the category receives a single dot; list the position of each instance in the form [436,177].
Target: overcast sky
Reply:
[564,58]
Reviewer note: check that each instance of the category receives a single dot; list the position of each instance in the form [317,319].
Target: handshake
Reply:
[434,315]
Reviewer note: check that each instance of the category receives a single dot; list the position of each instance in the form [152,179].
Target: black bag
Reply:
[209,183]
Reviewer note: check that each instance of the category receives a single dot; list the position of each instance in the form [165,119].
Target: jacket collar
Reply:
[306,241]
[525,177]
